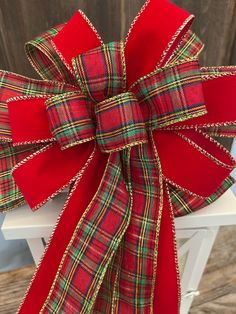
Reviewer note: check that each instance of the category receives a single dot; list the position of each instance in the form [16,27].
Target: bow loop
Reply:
[116,123]
[171,94]
[100,72]
[168,95]
[119,221]
[70,119]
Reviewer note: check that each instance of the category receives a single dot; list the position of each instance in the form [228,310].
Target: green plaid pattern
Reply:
[119,123]
[113,248]
[101,71]
[70,119]
[95,241]
[184,203]
[171,94]
[10,196]
[135,256]
[45,59]
[189,47]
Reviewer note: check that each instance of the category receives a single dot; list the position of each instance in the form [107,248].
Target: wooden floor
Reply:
[218,285]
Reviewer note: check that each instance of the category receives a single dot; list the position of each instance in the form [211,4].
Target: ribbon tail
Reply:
[81,193]
[167,295]
[95,239]
[107,295]
[132,275]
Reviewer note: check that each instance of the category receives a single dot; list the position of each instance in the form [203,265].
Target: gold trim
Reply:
[135,21]
[171,212]
[197,126]
[78,142]
[27,97]
[206,153]
[43,141]
[23,161]
[125,146]
[182,188]
[50,101]
[91,26]
[31,59]
[63,60]
[80,175]
[72,239]
[123,65]
[162,69]
[158,224]
[177,33]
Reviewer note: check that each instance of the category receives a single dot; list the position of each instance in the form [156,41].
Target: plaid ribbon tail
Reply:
[94,242]
[144,274]
[119,255]
[131,283]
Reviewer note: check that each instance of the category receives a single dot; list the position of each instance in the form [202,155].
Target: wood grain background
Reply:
[21,20]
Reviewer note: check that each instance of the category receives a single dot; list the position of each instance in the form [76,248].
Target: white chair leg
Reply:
[199,247]
[233,174]
[36,248]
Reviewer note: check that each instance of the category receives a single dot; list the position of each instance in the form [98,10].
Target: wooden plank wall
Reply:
[21,20]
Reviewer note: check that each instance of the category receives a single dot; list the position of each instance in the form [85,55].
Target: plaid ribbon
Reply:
[110,261]
[168,95]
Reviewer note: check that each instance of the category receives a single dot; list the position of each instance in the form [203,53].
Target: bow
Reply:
[128,126]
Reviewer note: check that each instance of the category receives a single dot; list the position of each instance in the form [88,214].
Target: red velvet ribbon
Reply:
[153,37]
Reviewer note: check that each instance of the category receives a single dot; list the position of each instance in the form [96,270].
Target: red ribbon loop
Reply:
[106,243]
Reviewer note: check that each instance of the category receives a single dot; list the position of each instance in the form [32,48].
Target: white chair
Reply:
[198,229]
[196,234]
[233,152]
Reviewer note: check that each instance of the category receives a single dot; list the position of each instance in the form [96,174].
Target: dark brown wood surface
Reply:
[217,288]
[21,20]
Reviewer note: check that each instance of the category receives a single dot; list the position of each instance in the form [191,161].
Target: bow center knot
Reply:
[120,123]
[103,111]
[116,123]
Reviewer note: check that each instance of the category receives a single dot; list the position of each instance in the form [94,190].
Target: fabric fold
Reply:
[128,128]
[93,244]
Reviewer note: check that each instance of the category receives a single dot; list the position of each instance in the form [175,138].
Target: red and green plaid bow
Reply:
[129,127]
